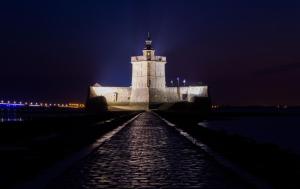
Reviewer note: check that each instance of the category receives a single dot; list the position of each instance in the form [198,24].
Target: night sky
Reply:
[248,52]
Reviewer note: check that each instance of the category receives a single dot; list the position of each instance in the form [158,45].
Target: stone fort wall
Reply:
[176,94]
[113,95]
[121,95]
[148,84]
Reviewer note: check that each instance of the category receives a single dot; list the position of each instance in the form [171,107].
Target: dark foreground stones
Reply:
[27,148]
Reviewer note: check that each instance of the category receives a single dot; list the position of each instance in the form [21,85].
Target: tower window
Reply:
[148,55]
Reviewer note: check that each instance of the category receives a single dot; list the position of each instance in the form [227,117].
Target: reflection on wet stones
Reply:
[147,154]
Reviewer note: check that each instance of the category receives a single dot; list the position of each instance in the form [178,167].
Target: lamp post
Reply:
[177,81]
[184,81]
[171,83]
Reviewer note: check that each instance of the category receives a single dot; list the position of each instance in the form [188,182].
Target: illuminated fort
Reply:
[148,84]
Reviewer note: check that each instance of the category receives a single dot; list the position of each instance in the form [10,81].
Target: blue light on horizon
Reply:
[11,105]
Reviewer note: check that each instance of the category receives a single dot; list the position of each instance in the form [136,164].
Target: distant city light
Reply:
[75,105]
[15,104]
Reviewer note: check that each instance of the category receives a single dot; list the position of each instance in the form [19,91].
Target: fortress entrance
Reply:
[184,97]
[115,97]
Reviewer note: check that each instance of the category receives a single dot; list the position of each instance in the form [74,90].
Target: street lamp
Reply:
[184,81]
[171,83]
[177,81]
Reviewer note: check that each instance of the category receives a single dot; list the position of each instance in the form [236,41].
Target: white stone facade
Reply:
[112,94]
[148,85]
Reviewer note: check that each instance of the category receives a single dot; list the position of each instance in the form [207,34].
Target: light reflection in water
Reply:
[10,115]
[16,119]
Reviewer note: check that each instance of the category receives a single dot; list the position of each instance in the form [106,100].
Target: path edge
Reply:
[46,176]
[245,175]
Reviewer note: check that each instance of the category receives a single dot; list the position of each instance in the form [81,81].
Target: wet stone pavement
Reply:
[147,154]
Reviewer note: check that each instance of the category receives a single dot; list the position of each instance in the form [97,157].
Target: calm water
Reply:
[13,115]
[282,130]
[10,115]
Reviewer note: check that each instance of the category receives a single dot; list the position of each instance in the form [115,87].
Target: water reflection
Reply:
[10,115]
[11,119]
[279,130]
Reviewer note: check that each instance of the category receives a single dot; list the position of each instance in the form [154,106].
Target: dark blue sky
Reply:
[248,52]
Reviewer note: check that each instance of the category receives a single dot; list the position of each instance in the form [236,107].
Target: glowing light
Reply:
[177,78]
[15,104]
[75,105]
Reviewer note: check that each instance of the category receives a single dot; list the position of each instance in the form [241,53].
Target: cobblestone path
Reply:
[147,154]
